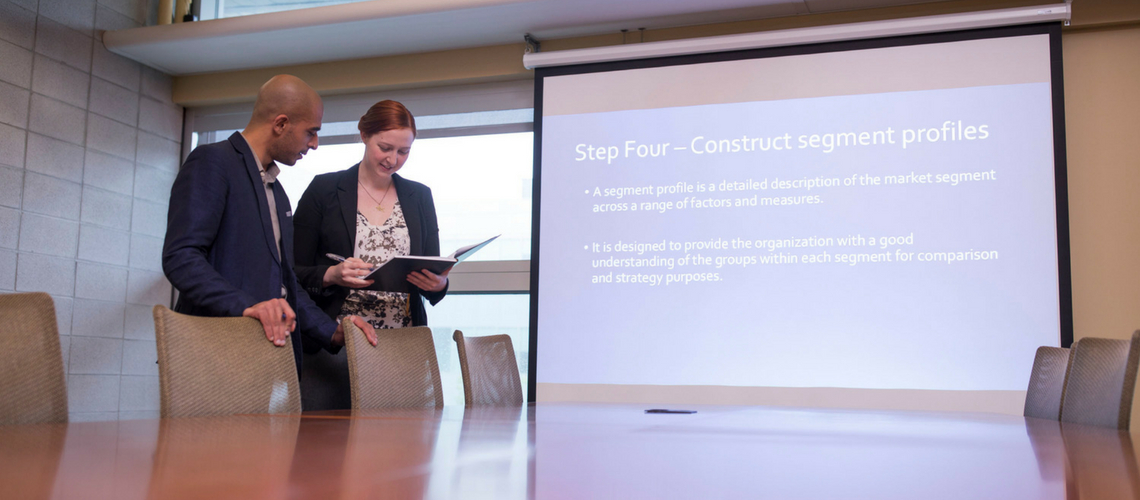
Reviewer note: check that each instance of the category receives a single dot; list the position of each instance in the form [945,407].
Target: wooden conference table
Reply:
[571,451]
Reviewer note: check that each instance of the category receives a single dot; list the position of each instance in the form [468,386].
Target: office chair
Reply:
[401,371]
[222,366]
[32,386]
[1047,383]
[490,371]
[1101,380]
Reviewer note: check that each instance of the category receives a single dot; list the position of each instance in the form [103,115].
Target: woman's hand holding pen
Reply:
[348,273]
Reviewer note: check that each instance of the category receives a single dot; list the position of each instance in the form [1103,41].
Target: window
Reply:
[481,185]
[479,166]
[217,9]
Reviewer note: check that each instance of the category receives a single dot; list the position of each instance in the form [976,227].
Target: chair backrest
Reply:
[490,371]
[1101,381]
[401,371]
[1047,383]
[32,387]
[222,366]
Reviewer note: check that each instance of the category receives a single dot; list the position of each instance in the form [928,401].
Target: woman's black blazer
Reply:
[325,222]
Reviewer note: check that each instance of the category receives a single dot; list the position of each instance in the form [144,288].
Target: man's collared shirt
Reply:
[268,177]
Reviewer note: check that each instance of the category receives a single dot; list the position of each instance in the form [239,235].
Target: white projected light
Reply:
[879,217]
[801,36]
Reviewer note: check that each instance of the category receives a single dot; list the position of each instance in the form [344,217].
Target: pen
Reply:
[338,258]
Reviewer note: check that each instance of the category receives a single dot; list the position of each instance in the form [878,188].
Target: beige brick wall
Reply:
[89,146]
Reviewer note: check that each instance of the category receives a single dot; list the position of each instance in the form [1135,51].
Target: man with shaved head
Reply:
[229,233]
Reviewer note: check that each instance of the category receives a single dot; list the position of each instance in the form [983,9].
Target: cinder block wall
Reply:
[89,146]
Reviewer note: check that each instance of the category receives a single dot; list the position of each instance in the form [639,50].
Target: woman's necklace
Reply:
[379,204]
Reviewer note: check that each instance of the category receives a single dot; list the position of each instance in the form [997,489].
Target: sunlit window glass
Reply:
[481,185]
[217,9]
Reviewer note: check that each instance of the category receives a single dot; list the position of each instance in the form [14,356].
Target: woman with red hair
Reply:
[368,214]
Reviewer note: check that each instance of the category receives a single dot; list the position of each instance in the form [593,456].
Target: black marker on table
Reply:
[669,412]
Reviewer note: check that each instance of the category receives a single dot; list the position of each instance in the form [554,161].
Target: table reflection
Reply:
[241,457]
[494,459]
[791,453]
[1091,462]
[29,459]
[571,451]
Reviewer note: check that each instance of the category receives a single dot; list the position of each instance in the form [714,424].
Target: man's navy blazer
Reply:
[220,251]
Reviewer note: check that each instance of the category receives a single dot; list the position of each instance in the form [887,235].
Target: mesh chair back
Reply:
[32,387]
[401,371]
[1047,383]
[222,366]
[1101,380]
[490,371]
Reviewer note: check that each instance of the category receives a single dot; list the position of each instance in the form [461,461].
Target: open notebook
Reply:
[392,276]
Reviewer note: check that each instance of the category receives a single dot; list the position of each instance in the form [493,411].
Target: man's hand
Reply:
[369,332]
[276,317]
[429,281]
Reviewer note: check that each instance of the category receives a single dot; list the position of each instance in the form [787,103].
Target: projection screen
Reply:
[875,223]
